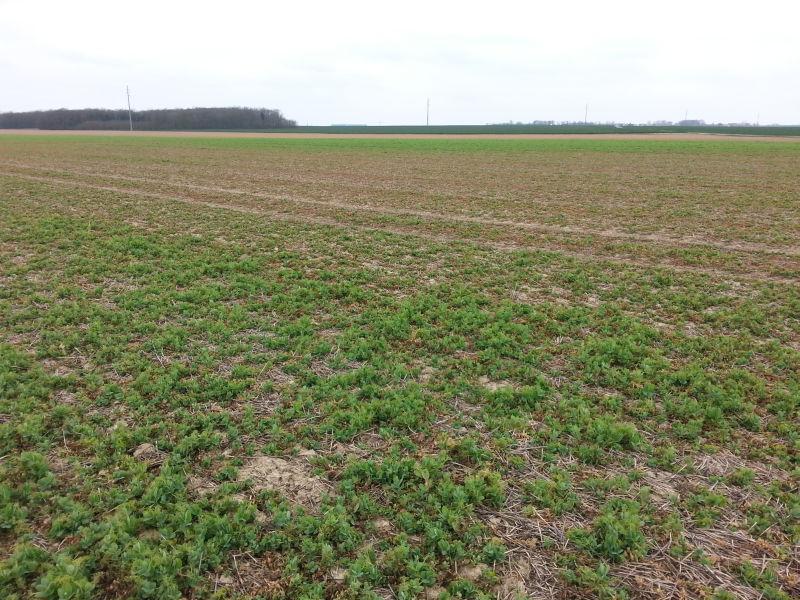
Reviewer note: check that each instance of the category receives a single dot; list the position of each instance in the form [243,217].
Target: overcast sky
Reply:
[375,62]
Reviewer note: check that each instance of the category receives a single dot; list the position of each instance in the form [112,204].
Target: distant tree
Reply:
[170,119]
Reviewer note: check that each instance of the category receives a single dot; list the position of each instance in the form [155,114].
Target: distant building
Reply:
[691,122]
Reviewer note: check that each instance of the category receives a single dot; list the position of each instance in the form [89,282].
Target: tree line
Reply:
[152,120]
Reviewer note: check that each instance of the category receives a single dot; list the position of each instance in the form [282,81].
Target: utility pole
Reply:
[130,114]
[428,113]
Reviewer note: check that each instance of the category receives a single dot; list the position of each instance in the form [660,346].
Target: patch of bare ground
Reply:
[280,377]
[363,445]
[269,398]
[493,386]
[65,397]
[533,537]
[515,574]
[523,528]
[427,374]
[149,454]
[66,365]
[662,576]
[320,368]
[20,340]
[374,264]
[732,546]
[725,463]
[531,568]
[266,403]
[253,576]
[291,478]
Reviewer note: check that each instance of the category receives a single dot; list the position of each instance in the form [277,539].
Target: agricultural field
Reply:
[516,129]
[399,368]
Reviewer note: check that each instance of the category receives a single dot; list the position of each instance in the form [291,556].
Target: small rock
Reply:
[338,574]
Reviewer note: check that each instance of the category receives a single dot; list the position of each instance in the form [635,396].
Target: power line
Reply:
[130,114]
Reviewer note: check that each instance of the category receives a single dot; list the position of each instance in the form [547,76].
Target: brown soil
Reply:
[291,478]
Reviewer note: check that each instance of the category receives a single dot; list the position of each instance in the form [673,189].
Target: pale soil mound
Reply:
[292,479]
[149,453]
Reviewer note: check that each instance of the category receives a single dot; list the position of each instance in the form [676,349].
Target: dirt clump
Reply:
[493,386]
[148,453]
[292,479]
